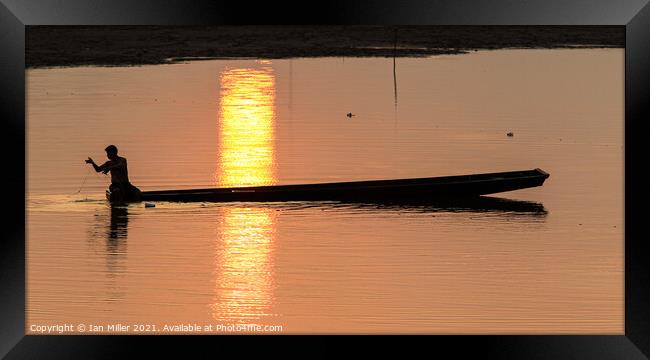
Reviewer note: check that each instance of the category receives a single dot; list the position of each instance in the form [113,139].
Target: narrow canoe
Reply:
[426,189]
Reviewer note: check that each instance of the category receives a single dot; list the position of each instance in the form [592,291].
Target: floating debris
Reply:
[510,134]
[149,205]
[350,115]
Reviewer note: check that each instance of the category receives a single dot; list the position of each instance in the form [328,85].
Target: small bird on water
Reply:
[510,134]
[350,115]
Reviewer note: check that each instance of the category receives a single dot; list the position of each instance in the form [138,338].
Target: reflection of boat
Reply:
[429,189]
[476,204]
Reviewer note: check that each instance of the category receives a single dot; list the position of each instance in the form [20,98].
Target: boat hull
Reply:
[424,189]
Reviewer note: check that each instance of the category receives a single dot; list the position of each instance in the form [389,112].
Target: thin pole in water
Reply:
[395,67]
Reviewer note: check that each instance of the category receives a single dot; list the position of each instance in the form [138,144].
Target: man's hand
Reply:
[89,161]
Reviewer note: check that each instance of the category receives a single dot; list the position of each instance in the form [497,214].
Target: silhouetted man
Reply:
[120,188]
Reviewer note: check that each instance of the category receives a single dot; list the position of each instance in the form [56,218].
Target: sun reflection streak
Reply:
[244,268]
[245,276]
[247,110]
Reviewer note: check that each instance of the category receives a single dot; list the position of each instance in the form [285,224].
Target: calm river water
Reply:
[549,262]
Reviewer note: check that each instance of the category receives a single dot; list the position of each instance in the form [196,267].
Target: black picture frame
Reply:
[634,15]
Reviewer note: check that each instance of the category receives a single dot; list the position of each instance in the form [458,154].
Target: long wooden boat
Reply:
[427,189]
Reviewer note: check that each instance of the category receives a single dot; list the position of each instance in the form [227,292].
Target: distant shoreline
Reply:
[52,46]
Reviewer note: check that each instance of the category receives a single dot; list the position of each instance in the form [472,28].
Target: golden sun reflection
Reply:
[245,272]
[247,110]
[244,269]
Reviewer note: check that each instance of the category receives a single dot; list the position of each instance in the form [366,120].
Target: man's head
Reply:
[111,152]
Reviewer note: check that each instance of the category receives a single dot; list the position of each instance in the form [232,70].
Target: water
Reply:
[549,261]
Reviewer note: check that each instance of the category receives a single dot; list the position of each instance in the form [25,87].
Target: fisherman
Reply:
[121,189]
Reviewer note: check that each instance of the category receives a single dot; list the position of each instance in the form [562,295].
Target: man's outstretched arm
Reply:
[105,167]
